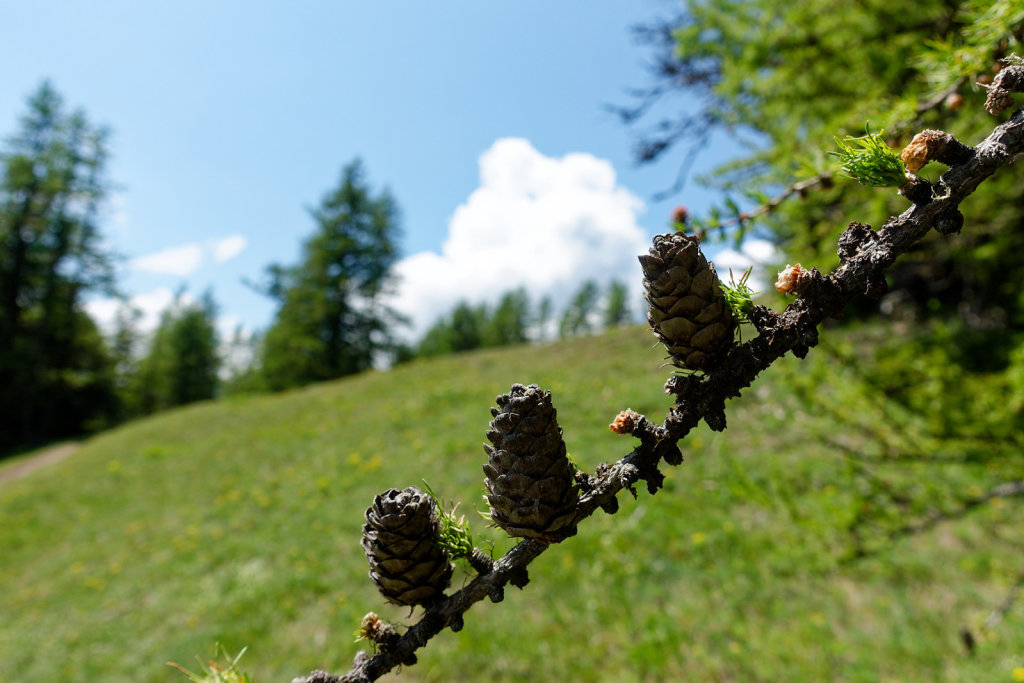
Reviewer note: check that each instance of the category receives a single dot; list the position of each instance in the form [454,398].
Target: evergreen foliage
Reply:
[509,323]
[56,377]
[577,318]
[616,308]
[182,363]
[513,320]
[331,321]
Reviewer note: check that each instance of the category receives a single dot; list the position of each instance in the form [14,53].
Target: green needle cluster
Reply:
[739,296]
[869,161]
[455,536]
[215,673]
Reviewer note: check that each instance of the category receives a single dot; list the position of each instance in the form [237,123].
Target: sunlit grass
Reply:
[239,522]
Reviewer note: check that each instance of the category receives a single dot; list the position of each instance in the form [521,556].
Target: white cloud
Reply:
[546,224]
[103,312]
[229,247]
[182,260]
[185,259]
[150,305]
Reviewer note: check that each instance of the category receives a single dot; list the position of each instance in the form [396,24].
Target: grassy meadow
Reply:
[238,522]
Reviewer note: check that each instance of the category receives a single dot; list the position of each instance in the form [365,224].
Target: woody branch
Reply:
[865,254]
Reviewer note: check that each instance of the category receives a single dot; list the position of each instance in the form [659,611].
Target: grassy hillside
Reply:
[238,522]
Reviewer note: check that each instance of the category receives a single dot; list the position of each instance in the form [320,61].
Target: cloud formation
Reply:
[182,260]
[542,223]
[185,259]
[229,247]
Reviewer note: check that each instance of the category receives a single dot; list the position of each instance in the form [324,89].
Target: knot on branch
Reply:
[764,319]
[950,222]
[680,385]
[519,577]
[715,417]
[668,450]
[629,474]
[918,190]
[856,238]
[612,506]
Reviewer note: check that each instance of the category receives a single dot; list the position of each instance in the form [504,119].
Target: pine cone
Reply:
[399,538]
[529,478]
[687,309]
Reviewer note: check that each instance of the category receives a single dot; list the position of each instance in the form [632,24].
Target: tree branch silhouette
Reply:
[864,253]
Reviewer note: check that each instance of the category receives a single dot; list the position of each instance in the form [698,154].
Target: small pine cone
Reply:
[400,540]
[529,478]
[687,308]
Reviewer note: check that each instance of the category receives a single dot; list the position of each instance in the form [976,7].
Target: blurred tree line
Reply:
[59,374]
[513,320]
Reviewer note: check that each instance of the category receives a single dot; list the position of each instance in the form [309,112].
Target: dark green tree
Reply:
[461,330]
[182,363]
[576,319]
[467,326]
[55,374]
[331,321]
[125,347]
[436,341]
[616,306]
[194,345]
[507,324]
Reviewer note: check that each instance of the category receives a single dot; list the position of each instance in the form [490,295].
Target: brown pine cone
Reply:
[400,540]
[529,478]
[687,309]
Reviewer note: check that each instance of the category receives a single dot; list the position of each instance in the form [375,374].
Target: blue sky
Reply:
[230,119]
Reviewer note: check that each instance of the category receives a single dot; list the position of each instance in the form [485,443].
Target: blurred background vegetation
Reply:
[856,522]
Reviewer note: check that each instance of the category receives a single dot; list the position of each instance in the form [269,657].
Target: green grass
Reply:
[238,523]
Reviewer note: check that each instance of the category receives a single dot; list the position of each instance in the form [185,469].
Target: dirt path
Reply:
[30,465]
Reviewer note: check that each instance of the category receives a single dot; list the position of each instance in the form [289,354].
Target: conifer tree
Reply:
[183,360]
[331,321]
[55,373]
